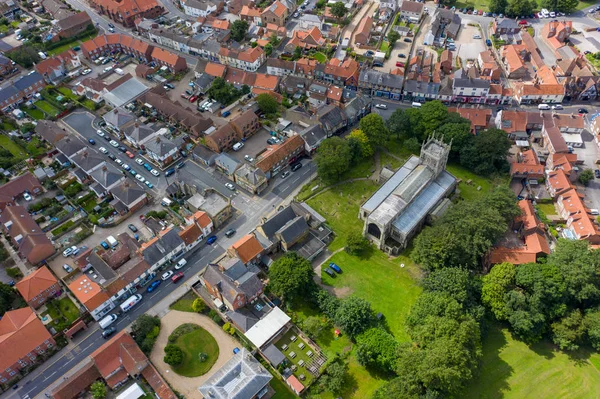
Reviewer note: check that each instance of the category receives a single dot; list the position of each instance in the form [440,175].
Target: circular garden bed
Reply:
[191,351]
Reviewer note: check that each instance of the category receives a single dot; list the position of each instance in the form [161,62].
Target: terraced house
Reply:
[126,12]
[20,90]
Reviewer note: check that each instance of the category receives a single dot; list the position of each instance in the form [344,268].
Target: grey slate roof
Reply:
[227,163]
[293,229]
[27,81]
[69,146]
[49,130]
[242,318]
[460,81]
[165,244]
[205,154]
[87,160]
[508,23]
[274,355]
[276,222]
[118,117]
[380,79]
[332,118]
[139,132]
[80,174]
[127,193]
[242,377]
[313,135]
[107,175]
[160,146]
[414,86]
[251,174]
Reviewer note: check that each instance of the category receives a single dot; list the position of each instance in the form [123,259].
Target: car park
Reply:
[27,197]
[129,154]
[103,150]
[285,174]
[231,232]
[153,285]
[230,186]
[108,332]
[92,141]
[166,275]
[177,277]
[211,240]
[67,268]
[114,143]
[132,228]
[155,172]
[139,161]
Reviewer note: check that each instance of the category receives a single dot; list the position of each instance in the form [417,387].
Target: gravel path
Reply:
[185,385]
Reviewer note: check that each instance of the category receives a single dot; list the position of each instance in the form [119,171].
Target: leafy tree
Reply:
[291,276]
[338,10]
[377,348]
[433,114]
[25,56]
[334,377]
[274,40]
[354,315]
[98,390]
[268,49]
[516,8]
[267,104]
[198,305]
[223,92]
[173,355]
[393,37]
[246,89]
[27,127]
[314,326]
[297,53]
[229,329]
[496,284]
[327,303]
[568,332]
[406,386]
[457,130]
[366,150]
[333,159]
[591,322]
[399,124]
[356,243]
[7,297]
[145,330]
[457,283]
[498,6]
[412,145]
[559,5]
[239,29]
[487,154]
[586,176]
[374,128]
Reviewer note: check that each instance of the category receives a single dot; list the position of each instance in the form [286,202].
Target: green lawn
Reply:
[68,46]
[65,91]
[34,113]
[322,58]
[469,191]
[11,146]
[62,228]
[68,309]
[281,390]
[384,46]
[391,289]
[340,206]
[513,370]
[301,354]
[192,344]
[389,161]
[476,4]
[548,209]
[47,107]
[184,304]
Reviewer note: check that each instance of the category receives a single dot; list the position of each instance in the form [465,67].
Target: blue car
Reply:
[150,185]
[104,245]
[154,285]
[92,141]
[335,267]
[126,167]
[211,240]
[148,167]
[133,172]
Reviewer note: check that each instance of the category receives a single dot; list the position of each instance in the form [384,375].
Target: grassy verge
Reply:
[511,369]
[14,148]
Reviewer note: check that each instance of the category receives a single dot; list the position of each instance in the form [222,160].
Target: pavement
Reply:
[188,386]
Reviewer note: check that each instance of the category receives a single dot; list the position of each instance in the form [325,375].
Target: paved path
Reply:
[185,385]
[15,257]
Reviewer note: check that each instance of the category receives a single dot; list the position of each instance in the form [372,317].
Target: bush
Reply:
[215,317]
[198,305]
[14,272]
[182,330]
[356,243]
[145,330]
[228,328]
[173,355]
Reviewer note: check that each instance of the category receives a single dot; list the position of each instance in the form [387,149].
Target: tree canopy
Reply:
[7,297]
[374,128]
[223,92]
[239,28]
[333,159]
[338,9]
[267,103]
[291,276]
[98,390]
[145,330]
[377,348]
[354,315]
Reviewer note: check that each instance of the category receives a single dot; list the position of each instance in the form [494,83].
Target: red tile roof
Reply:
[214,69]
[88,292]
[278,152]
[247,248]
[35,283]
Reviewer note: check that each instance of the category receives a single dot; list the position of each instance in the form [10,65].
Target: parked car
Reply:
[272,141]
[133,172]
[86,71]
[114,143]
[178,276]
[285,174]
[27,197]
[248,158]
[557,106]
[150,185]
[104,245]
[132,228]
[193,99]
[400,64]
[155,172]
[381,106]
[335,267]
[166,275]
[180,165]
[108,332]
[67,252]
[147,167]
[583,111]
[118,161]
[154,285]
[170,86]
[103,150]
[407,40]
[400,55]
[329,271]
[139,161]
[140,178]
[122,149]
[230,186]
[67,268]
[211,240]
[92,141]
[231,232]
[488,42]
[129,154]
[597,173]
[295,166]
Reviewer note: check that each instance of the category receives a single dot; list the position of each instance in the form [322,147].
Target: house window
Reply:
[12,373]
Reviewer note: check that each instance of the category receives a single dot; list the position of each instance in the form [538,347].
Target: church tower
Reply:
[434,154]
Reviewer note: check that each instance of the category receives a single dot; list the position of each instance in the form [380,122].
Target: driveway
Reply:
[186,385]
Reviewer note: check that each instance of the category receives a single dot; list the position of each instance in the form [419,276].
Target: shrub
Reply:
[198,305]
[202,357]
[14,272]
[173,355]
[215,317]
[228,328]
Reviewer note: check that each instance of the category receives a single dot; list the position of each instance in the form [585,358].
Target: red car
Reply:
[176,277]
[523,22]
[193,99]
[183,95]
[400,64]
[129,154]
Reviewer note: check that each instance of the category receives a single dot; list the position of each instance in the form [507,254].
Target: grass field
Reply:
[192,344]
[184,304]
[548,209]
[11,146]
[391,289]
[322,58]
[340,206]
[47,107]
[513,370]
[389,161]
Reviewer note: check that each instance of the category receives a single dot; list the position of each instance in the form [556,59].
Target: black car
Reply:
[583,111]
[180,165]
[108,332]
[401,55]
[111,157]
[597,173]
[122,149]
[111,26]
[296,166]
[132,228]
[231,232]
[330,272]
[107,137]
[407,40]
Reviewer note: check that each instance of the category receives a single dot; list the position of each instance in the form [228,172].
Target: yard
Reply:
[469,191]
[48,108]
[512,369]
[68,46]
[184,304]
[33,113]
[65,91]
[193,343]
[322,58]
[14,148]
[63,312]
[301,355]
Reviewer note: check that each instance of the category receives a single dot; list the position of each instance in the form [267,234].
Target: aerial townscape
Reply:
[326,199]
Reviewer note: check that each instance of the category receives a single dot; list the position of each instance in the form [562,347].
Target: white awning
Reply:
[133,392]
[522,143]
[266,328]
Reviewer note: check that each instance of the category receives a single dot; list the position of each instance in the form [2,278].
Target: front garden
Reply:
[191,351]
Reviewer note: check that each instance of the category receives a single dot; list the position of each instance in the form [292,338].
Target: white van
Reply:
[180,264]
[166,202]
[42,55]
[119,71]
[238,146]
[111,241]
[594,212]
[543,107]
[107,321]
[131,302]
[416,105]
